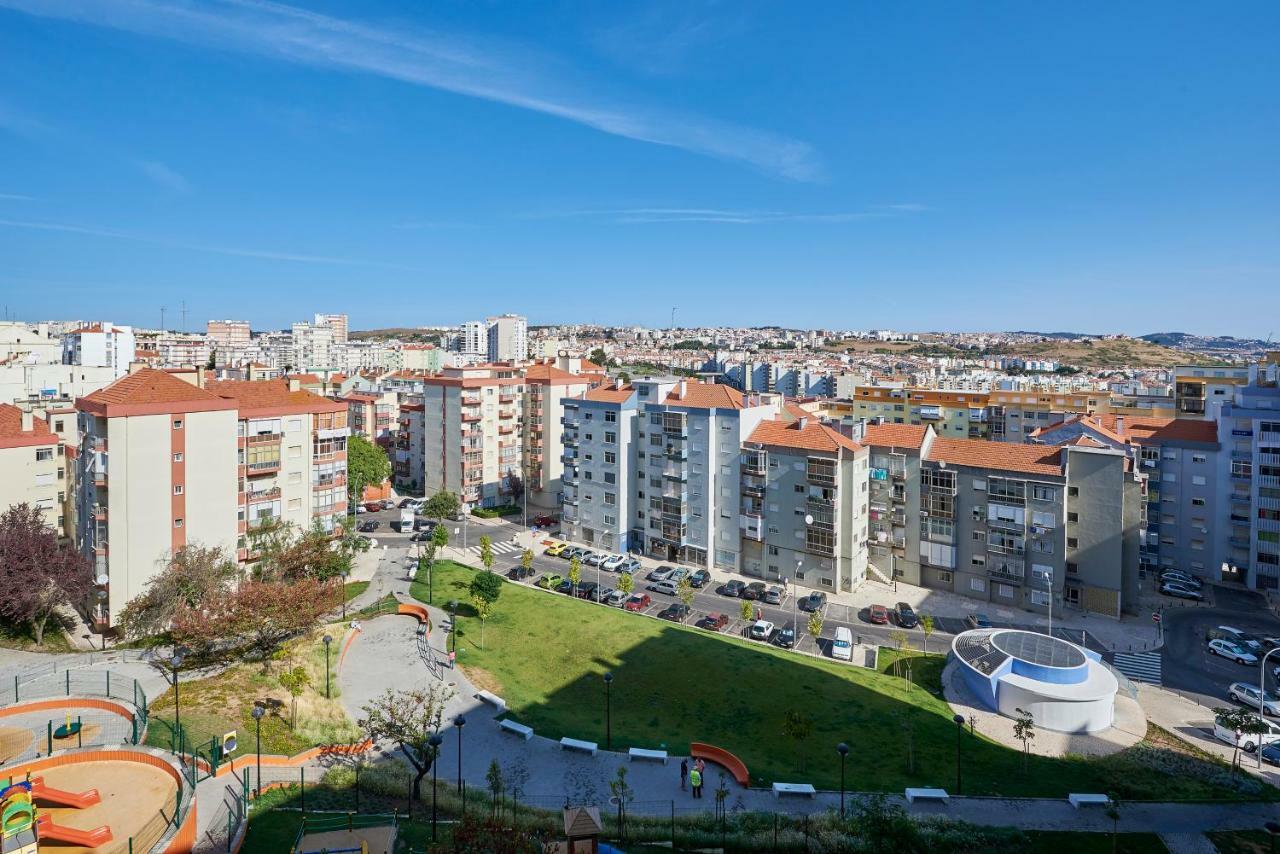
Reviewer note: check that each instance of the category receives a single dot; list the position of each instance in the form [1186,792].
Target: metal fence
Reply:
[46,682]
[226,823]
[59,663]
[93,730]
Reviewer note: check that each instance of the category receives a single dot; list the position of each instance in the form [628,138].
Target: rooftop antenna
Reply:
[162,310]
[184,315]
[673,317]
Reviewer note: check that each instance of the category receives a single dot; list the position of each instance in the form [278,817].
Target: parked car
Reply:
[373,506]
[638,602]
[615,599]
[1247,741]
[428,525]
[785,637]
[519,573]
[387,504]
[842,645]
[815,601]
[408,502]
[1180,591]
[630,566]
[594,558]
[676,612]
[612,562]
[574,551]
[1271,754]
[1247,694]
[713,622]
[555,549]
[878,614]
[666,588]
[661,573]
[587,590]
[773,596]
[543,521]
[369,526]
[752,591]
[1229,650]
[420,537]
[905,616]
[977,621]
[678,575]
[603,594]
[360,509]
[565,587]
[761,630]
[733,588]
[1239,637]
[699,579]
[550,581]
[1180,577]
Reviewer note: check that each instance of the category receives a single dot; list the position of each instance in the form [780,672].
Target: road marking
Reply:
[1141,666]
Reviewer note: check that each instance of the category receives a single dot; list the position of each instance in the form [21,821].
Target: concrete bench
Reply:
[518,729]
[914,795]
[567,743]
[493,700]
[1087,799]
[780,789]
[641,753]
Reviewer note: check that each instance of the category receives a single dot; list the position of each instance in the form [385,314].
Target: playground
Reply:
[350,834]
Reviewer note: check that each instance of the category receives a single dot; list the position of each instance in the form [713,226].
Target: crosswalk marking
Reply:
[1142,666]
[498,548]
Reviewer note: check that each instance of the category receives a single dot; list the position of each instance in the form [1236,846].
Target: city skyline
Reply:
[638,159]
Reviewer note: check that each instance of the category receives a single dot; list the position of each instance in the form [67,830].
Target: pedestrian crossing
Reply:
[1140,666]
[502,548]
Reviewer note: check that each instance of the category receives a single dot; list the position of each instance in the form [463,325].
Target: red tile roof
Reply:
[705,396]
[545,374]
[609,394]
[806,434]
[150,392]
[1002,456]
[1152,430]
[895,435]
[13,436]
[272,397]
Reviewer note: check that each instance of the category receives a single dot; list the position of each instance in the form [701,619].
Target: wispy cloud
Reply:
[242,252]
[730,216]
[16,197]
[163,175]
[428,224]
[502,73]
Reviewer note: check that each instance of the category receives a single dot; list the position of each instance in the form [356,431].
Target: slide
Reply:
[50,832]
[41,792]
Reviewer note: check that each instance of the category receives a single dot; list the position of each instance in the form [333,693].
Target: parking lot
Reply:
[1188,666]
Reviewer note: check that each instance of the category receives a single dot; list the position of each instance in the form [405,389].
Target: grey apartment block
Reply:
[1249,480]
[894,530]
[599,475]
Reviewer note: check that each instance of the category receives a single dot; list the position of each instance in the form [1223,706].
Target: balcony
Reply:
[1245,455]
[898,472]
[99,478]
[755,463]
[1266,503]
[675,492]
[678,454]
[100,549]
[1243,477]
[261,495]
[1005,524]
[570,499]
[1269,459]
[470,401]
[822,472]
[99,513]
[99,445]
[571,423]
[752,527]
[753,485]
[1270,480]
[820,543]
[1267,437]
[676,473]
[259,439]
[470,417]
[674,533]
[1238,542]
[506,430]
[325,481]
[1005,576]
[261,467]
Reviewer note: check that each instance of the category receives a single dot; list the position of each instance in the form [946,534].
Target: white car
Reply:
[761,630]
[1247,741]
[617,599]
[1247,694]
[1182,578]
[593,558]
[612,562]
[1227,649]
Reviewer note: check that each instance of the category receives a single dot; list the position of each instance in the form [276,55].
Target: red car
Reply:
[878,614]
[638,602]
[543,521]
[713,622]
[373,506]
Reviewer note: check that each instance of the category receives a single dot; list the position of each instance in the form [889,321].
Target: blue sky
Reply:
[933,165]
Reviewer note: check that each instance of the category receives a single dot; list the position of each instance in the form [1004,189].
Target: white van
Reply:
[842,647]
[1248,741]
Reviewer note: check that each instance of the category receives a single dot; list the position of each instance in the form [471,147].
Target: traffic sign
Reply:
[1155,617]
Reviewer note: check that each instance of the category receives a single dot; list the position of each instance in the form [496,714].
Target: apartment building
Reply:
[33,466]
[228,335]
[153,446]
[1181,459]
[475,338]
[421,357]
[545,387]
[1199,389]
[508,338]
[313,346]
[101,345]
[1248,478]
[601,494]
[893,532]
[337,323]
[164,462]
[408,463]
[1013,415]
[23,343]
[373,415]
[471,438]
[958,414]
[804,504]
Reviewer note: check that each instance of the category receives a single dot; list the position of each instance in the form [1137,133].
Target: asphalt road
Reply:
[1186,664]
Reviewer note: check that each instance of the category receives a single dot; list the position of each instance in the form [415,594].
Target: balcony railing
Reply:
[262,467]
[752,527]
[325,481]
[255,497]
[675,473]
[1004,576]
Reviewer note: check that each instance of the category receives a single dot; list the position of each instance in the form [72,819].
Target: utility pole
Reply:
[184,315]
[162,310]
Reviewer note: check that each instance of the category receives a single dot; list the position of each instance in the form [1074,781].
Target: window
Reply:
[978,561]
[610,498]
[1198,458]
[799,487]
[610,477]
[1072,542]
[610,457]
[978,585]
[1197,480]
[177,489]
[1072,569]
[610,438]
[979,484]
[177,458]
[177,424]
[1041,573]
[1039,597]
[1073,517]
[610,417]
[295,503]
[1197,502]
[1169,477]
[177,523]
[980,536]
[1073,491]
[44,454]
[1043,493]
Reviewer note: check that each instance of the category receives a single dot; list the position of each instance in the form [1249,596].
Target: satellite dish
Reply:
[808,518]
[102,580]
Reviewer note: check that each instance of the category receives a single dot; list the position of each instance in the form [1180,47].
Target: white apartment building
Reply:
[546,386]
[337,323]
[32,465]
[508,338]
[101,345]
[475,338]
[27,344]
[313,346]
[229,335]
[601,501]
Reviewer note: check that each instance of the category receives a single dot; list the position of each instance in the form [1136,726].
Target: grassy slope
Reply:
[1111,353]
[1056,842]
[545,655]
[21,637]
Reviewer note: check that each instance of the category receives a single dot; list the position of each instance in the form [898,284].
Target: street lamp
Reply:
[843,750]
[176,662]
[328,639]
[453,611]
[1262,671]
[608,711]
[959,721]
[258,712]
[459,722]
[435,741]
[345,573]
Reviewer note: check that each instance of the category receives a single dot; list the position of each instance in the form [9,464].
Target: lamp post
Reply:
[608,711]
[843,750]
[453,613]
[1262,670]
[345,573]
[328,639]
[176,662]
[1048,583]
[258,712]
[959,721]
[458,723]
[435,741]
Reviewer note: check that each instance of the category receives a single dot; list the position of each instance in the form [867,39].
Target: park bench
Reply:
[780,789]
[641,753]
[723,758]
[914,795]
[1088,799]
[518,729]
[493,700]
[567,743]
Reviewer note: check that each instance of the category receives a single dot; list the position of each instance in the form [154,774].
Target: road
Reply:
[1187,665]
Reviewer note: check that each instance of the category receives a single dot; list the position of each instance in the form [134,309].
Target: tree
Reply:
[294,680]
[484,609]
[1240,721]
[684,590]
[486,585]
[926,626]
[623,794]
[212,363]
[38,574]
[748,611]
[494,779]
[367,465]
[193,574]
[441,506]
[526,560]
[252,620]
[287,554]
[626,583]
[486,551]
[1113,813]
[1024,730]
[815,625]
[900,642]
[409,718]
[797,726]
[440,536]
[515,485]
[575,573]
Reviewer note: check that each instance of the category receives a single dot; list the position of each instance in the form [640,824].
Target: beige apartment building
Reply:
[545,386]
[32,465]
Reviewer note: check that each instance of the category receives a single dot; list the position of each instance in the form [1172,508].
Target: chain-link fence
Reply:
[44,683]
[85,728]
[224,827]
[59,663]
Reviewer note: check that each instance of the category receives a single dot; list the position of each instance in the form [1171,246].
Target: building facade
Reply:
[508,338]
[102,345]
[33,465]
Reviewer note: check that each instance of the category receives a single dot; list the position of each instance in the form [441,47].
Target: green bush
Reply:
[495,512]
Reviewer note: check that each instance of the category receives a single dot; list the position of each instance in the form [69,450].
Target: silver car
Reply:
[1247,694]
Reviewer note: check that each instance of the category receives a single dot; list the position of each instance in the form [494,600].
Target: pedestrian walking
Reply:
[684,773]
[695,782]
[702,766]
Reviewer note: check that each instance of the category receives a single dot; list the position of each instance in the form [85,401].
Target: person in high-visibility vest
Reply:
[695,782]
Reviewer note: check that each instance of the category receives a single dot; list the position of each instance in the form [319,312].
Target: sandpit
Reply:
[381,840]
[133,796]
[14,741]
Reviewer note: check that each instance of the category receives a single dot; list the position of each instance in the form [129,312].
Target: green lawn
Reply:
[545,654]
[22,637]
[1059,841]
[1243,841]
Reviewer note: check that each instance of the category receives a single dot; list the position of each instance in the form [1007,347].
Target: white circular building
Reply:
[1065,687]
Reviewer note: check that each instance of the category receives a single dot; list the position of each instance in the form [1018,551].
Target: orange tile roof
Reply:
[13,436]
[83,329]
[895,435]
[270,397]
[1002,456]
[609,394]
[705,396]
[1149,430]
[807,434]
[545,374]
[150,392]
